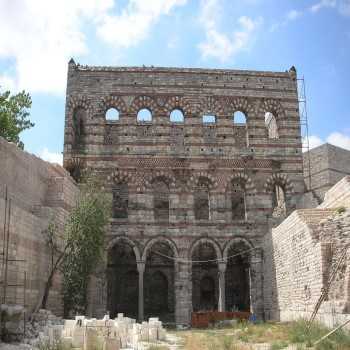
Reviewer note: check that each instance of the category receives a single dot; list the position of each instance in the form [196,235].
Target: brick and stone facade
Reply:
[188,192]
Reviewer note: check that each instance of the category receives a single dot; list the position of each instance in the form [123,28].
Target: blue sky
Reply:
[39,36]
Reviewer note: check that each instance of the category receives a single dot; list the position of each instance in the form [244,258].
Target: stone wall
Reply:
[328,165]
[300,255]
[32,192]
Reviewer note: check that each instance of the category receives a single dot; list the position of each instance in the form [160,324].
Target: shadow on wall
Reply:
[271,304]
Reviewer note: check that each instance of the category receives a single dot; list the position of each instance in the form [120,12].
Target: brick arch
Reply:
[149,179]
[249,184]
[177,102]
[236,240]
[79,101]
[119,176]
[160,239]
[193,181]
[279,179]
[240,104]
[273,106]
[211,241]
[129,241]
[212,105]
[112,101]
[141,102]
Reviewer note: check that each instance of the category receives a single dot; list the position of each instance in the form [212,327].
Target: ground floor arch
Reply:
[159,277]
[238,276]
[122,280]
[205,279]
[170,279]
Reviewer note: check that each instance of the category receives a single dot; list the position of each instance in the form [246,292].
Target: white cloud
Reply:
[339,139]
[135,21]
[335,138]
[220,45]
[314,141]
[7,83]
[293,15]
[323,4]
[41,35]
[51,157]
[342,6]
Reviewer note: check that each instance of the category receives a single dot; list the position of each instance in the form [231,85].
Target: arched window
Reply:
[201,200]
[238,204]
[112,114]
[271,125]
[209,119]
[241,128]
[278,201]
[78,127]
[120,200]
[239,118]
[176,116]
[144,115]
[161,200]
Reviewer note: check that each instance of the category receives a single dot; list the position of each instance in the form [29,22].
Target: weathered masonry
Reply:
[200,163]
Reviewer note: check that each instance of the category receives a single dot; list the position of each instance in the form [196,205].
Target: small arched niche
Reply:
[279,207]
[176,116]
[144,115]
[271,125]
[112,114]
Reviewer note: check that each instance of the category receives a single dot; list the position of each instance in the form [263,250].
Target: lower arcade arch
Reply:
[122,280]
[159,278]
[205,290]
[238,277]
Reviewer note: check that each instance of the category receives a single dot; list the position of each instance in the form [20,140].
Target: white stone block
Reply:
[111,344]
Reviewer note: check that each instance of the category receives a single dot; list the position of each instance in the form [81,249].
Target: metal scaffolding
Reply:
[304,125]
[13,276]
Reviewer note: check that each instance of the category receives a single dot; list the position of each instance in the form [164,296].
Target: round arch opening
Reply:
[122,280]
[237,278]
[205,291]
[159,279]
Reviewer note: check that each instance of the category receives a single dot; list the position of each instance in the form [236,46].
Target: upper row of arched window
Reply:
[176,116]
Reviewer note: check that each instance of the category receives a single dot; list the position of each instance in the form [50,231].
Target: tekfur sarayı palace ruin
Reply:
[211,210]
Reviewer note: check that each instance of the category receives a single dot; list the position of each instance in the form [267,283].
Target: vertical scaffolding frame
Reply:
[304,125]
[11,276]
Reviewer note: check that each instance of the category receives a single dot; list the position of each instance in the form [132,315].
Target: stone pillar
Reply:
[141,270]
[256,283]
[183,296]
[222,269]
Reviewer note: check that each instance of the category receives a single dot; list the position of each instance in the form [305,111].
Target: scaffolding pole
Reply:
[304,125]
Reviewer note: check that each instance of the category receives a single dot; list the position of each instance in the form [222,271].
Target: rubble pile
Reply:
[108,334]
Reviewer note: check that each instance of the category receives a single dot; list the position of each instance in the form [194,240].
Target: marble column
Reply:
[222,269]
[141,270]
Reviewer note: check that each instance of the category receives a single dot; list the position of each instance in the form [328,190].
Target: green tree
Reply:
[85,240]
[14,115]
[79,249]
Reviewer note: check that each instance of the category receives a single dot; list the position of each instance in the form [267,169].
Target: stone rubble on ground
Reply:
[108,334]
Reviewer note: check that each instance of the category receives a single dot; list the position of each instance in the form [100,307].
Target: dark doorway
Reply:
[207,290]
[204,278]
[159,283]
[122,295]
[237,289]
